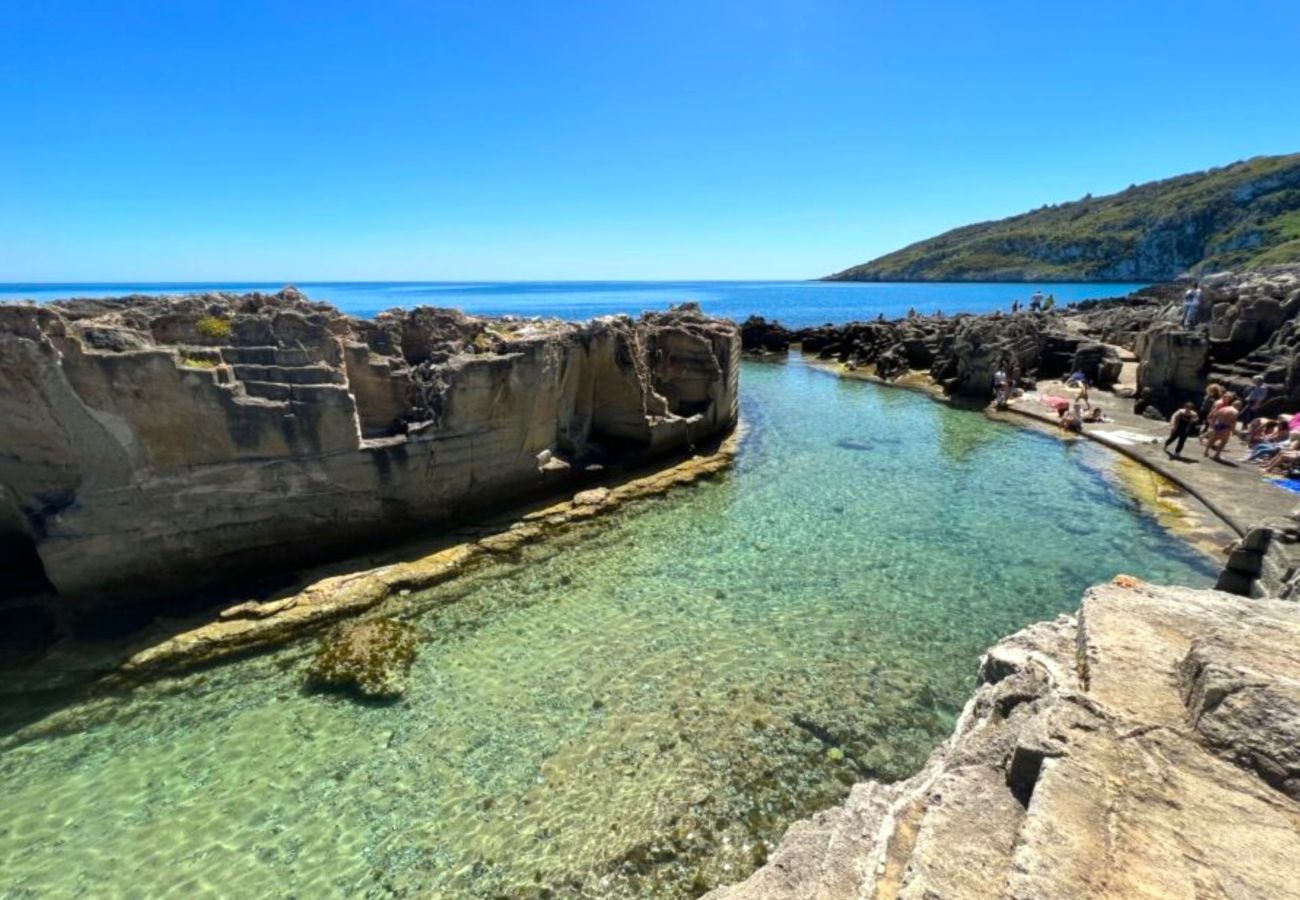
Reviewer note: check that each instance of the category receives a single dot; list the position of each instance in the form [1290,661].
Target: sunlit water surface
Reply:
[638,710]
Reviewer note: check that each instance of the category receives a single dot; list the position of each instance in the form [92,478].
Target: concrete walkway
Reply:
[1236,492]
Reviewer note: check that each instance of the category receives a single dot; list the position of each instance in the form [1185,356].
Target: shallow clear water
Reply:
[796,303]
[635,711]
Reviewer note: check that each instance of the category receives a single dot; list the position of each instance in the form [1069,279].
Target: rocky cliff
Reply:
[1147,747]
[155,444]
[1241,216]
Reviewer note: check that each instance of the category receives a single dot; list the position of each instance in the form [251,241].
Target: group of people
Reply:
[1269,441]
[1037,303]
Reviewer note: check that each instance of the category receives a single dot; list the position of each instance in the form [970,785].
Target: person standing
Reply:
[1036,301]
[1181,424]
[1192,305]
[1222,421]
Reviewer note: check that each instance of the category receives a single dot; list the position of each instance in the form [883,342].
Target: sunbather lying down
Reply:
[1283,463]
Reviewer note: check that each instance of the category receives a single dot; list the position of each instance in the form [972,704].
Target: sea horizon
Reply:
[794,303]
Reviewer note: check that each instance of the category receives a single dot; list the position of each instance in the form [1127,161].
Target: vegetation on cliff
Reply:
[1240,216]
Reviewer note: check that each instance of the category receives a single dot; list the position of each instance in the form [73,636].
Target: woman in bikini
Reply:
[1222,421]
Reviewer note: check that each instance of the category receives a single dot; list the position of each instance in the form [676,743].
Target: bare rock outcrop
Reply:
[1143,748]
[154,444]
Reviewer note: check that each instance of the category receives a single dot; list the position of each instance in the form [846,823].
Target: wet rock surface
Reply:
[1144,747]
[156,444]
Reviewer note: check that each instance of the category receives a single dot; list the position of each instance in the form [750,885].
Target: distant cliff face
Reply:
[1242,216]
[153,444]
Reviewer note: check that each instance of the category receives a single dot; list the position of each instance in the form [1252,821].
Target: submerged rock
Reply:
[371,657]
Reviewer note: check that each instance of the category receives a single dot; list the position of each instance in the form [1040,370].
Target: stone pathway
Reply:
[1236,492]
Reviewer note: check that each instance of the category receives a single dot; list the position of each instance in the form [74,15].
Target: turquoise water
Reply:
[796,303]
[637,710]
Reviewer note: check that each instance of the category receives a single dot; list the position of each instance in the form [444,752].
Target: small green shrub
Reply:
[214,327]
[197,362]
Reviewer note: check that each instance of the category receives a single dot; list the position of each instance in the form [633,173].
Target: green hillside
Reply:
[1240,216]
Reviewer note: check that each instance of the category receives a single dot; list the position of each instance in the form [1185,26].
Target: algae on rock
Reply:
[372,657]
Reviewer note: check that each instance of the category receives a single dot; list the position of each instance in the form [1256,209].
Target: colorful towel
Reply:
[1287,484]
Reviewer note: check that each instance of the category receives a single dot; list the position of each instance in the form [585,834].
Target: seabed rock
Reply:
[372,657]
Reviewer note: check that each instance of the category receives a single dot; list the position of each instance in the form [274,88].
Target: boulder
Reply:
[1099,362]
[371,658]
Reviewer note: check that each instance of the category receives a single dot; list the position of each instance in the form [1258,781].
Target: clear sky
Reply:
[481,139]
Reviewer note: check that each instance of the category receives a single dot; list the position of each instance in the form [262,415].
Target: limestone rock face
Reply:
[371,657]
[1173,361]
[1145,748]
[153,444]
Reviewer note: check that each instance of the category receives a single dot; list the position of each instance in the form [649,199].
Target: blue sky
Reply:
[592,140]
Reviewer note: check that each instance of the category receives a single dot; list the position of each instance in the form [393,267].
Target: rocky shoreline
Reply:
[160,444]
[1143,747]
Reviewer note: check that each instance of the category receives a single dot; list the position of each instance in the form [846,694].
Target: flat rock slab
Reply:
[1145,748]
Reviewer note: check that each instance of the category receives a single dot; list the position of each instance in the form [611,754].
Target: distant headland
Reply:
[1241,216]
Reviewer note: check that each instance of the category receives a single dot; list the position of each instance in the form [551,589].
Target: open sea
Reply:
[795,303]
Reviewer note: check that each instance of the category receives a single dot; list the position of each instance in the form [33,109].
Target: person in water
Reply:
[1181,424]
[1222,421]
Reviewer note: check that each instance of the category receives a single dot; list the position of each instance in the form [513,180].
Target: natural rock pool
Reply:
[637,709]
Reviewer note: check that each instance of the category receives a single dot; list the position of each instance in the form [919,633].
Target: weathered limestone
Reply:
[152,444]
[1145,748]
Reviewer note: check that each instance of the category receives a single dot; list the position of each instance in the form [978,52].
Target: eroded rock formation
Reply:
[1254,329]
[154,444]
[1146,747]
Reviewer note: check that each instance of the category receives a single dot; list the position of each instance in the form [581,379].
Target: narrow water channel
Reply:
[636,710]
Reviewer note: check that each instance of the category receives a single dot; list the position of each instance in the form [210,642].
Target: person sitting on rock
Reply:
[1181,424]
[1284,461]
[1266,450]
[1072,417]
[1222,421]
[1256,397]
[1266,431]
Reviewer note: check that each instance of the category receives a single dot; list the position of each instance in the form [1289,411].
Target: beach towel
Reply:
[1286,484]
[1123,438]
